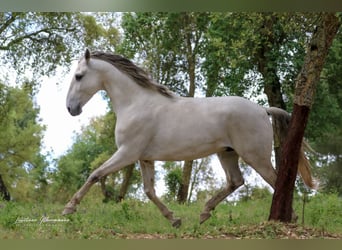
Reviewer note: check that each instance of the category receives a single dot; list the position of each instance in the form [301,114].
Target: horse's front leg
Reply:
[120,159]
[147,172]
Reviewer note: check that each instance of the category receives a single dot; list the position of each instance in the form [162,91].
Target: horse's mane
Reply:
[139,75]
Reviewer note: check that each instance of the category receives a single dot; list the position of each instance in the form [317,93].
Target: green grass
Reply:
[97,220]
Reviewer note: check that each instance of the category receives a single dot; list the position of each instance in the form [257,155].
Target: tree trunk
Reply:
[184,186]
[109,193]
[283,195]
[125,183]
[321,40]
[267,66]
[4,194]
[191,63]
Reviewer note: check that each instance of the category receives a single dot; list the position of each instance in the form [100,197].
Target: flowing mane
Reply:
[140,76]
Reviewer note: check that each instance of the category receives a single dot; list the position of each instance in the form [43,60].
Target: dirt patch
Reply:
[265,230]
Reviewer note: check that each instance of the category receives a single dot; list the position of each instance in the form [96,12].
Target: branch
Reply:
[32,35]
[8,22]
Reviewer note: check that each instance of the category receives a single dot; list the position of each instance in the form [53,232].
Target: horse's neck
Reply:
[125,93]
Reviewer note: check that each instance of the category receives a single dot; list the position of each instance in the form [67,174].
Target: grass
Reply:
[136,219]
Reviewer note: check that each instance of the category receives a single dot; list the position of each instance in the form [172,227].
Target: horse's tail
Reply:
[281,119]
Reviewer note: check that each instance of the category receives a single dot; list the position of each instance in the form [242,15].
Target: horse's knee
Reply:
[94,177]
[235,184]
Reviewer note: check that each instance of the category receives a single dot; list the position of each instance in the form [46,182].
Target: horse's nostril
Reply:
[68,109]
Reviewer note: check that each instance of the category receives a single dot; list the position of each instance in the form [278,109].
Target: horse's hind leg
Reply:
[263,166]
[229,162]
[147,171]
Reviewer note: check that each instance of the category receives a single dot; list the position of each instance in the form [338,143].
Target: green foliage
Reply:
[247,52]
[88,151]
[324,211]
[20,140]
[324,127]
[330,176]
[203,180]
[169,44]
[173,180]
[8,215]
[41,41]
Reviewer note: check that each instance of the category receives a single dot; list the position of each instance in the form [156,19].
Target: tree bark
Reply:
[306,82]
[283,195]
[4,194]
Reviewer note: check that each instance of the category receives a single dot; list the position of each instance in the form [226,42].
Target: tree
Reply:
[20,139]
[202,178]
[305,87]
[253,53]
[329,119]
[173,179]
[43,40]
[36,43]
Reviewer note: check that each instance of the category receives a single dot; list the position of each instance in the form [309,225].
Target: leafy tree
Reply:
[202,178]
[169,45]
[43,40]
[38,42]
[20,140]
[173,179]
[256,53]
[329,119]
[305,88]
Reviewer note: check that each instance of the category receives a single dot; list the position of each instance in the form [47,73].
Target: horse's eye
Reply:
[78,77]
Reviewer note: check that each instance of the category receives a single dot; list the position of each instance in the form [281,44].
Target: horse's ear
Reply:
[87,55]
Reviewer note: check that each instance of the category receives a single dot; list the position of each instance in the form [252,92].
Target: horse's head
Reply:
[85,82]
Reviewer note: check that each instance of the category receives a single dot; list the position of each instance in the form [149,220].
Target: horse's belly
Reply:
[182,150]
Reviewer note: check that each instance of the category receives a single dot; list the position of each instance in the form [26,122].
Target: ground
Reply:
[265,230]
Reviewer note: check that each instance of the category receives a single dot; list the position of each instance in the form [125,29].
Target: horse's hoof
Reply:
[176,223]
[204,216]
[68,210]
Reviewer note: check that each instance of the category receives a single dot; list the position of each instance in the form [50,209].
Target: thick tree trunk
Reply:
[4,194]
[288,165]
[321,40]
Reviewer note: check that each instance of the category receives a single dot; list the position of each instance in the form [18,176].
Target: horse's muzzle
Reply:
[75,110]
